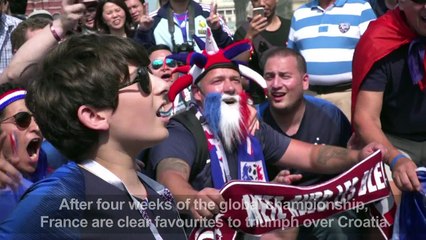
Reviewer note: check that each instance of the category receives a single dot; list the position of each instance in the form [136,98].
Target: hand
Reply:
[370,149]
[257,24]
[9,175]
[206,203]
[70,17]
[404,175]
[284,177]
[253,121]
[145,22]
[213,21]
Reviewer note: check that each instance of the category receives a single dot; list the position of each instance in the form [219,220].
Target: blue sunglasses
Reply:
[158,63]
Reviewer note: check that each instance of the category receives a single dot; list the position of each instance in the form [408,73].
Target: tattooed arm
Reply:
[324,158]
[174,174]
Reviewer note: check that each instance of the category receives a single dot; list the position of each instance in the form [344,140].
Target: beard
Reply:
[227,116]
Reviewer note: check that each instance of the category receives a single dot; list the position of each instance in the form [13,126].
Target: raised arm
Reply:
[36,48]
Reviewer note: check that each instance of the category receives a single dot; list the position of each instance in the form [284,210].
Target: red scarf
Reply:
[382,37]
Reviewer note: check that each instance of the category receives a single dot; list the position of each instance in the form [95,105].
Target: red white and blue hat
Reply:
[198,64]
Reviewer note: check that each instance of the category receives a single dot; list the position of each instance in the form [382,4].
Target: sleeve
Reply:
[222,37]
[376,79]
[180,144]
[40,213]
[274,144]
[240,34]
[145,38]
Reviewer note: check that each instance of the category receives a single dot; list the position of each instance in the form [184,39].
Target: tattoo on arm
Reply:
[327,153]
[174,164]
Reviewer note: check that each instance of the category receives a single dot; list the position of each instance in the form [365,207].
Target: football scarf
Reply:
[251,163]
[257,208]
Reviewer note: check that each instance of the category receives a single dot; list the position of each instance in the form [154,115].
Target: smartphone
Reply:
[258,11]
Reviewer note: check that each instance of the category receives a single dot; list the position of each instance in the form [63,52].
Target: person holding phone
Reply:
[265,29]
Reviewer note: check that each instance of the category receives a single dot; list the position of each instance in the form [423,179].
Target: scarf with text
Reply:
[257,208]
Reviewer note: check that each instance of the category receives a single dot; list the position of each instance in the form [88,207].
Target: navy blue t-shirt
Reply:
[404,105]
[322,123]
[181,144]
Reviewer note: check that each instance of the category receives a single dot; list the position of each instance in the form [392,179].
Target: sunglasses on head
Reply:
[22,119]
[142,77]
[158,63]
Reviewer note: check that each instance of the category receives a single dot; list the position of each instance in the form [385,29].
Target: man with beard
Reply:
[265,31]
[223,113]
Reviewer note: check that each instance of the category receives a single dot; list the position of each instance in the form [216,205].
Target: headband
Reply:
[11,96]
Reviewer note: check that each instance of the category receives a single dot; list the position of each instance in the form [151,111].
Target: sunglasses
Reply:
[419,1]
[158,63]
[22,119]
[142,77]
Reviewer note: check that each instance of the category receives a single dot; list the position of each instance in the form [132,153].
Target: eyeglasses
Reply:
[142,77]
[419,1]
[22,119]
[158,63]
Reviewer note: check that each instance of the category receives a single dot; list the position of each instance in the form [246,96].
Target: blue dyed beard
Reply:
[224,120]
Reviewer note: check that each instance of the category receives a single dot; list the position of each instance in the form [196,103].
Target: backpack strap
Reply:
[190,122]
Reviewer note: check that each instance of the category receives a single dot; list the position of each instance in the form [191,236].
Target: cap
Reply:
[40,13]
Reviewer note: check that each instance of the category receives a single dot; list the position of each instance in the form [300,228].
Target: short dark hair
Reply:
[100,24]
[158,47]
[285,52]
[83,70]
[18,36]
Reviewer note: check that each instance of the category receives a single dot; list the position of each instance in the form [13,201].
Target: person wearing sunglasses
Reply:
[389,100]
[20,141]
[163,67]
[96,104]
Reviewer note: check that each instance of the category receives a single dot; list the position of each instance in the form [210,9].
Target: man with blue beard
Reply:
[221,108]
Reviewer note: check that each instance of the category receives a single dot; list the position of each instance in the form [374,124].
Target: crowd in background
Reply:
[337,80]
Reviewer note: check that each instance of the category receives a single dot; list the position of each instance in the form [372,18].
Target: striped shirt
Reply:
[7,25]
[327,38]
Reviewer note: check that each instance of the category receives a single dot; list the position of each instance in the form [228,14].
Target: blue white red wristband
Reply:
[395,160]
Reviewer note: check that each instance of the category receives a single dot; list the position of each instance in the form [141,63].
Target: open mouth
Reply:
[166,76]
[165,110]
[277,94]
[33,147]
[229,100]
